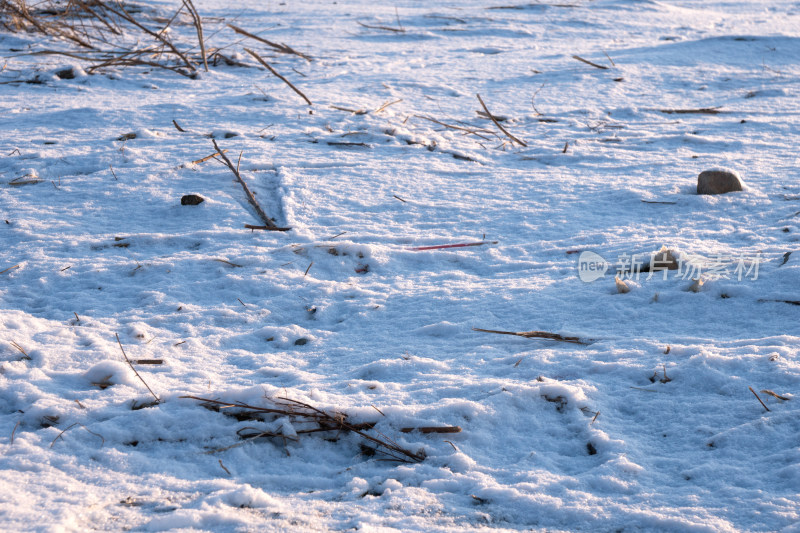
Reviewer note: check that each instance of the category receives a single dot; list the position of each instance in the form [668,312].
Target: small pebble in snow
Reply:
[192,199]
[718,182]
[301,341]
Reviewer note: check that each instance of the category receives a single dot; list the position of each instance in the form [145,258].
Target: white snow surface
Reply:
[102,246]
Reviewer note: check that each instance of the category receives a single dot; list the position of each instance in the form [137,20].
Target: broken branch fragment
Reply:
[275,72]
[700,111]
[252,199]
[282,48]
[536,335]
[434,429]
[265,228]
[595,65]
[311,420]
[496,123]
[445,246]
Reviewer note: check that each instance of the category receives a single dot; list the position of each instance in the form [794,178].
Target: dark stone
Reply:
[66,74]
[718,182]
[192,199]
[301,341]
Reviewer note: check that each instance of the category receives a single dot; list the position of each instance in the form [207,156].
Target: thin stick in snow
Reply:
[536,335]
[501,128]
[759,399]
[59,436]
[387,104]
[774,395]
[10,268]
[282,48]
[206,158]
[595,65]
[446,246]
[198,24]
[25,355]
[700,111]
[432,429]
[287,82]
[14,431]
[385,28]
[266,228]
[134,371]
[252,199]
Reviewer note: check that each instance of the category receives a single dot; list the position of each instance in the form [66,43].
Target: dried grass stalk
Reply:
[310,420]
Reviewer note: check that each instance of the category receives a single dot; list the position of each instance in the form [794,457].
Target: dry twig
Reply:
[700,111]
[134,371]
[282,48]
[310,420]
[275,72]
[595,65]
[250,198]
[758,398]
[496,123]
[536,335]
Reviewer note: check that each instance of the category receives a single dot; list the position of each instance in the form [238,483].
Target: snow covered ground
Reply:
[649,426]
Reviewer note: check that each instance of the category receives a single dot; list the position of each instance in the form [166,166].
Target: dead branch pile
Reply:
[306,419]
[108,34]
[112,34]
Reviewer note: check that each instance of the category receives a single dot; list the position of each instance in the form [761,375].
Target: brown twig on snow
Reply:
[595,65]
[59,436]
[450,126]
[252,199]
[25,355]
[134,371]
[198,24]
[265,228]
[310,419]
[536,335]
[387,104]
[275,72]
[385,28]
[433,429]
[206,158]
[9,269]
[496,123]
[759,399]
[699,111]
[282,48]
[234,265]
[774,395]
[347,109]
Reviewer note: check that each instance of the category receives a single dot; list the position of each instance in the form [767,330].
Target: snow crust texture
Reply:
[650,423]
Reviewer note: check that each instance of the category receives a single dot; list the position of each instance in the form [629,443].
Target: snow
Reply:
[650,426]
